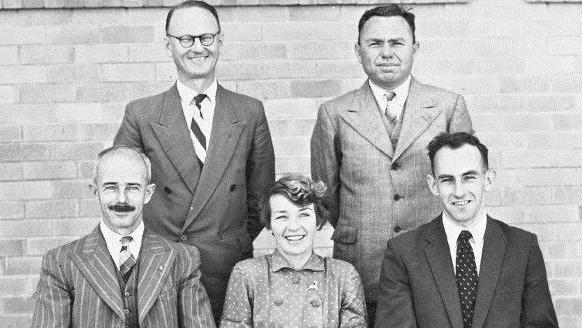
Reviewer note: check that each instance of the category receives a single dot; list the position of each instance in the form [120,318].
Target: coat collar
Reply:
[279,262]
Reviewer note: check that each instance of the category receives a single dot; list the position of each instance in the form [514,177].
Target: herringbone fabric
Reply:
[466,276]
[126,259]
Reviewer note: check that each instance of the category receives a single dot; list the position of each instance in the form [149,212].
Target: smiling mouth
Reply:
[460,202]
[295,237]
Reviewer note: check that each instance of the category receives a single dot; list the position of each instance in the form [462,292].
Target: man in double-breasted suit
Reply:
[463,269]
[121,274]
[211,152]
[368,145]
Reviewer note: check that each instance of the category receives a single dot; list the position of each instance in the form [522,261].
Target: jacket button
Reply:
[397,197]
[232,187]
[167,190]
[183,238]
[126,311]
[397,229]
[315,303]
[395,166]
[127,294]
[278,302]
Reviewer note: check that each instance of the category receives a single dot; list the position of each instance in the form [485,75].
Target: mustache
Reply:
[122,207]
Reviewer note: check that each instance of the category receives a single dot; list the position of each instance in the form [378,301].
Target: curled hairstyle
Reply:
[388,10]
[300,190]
[124,149]
[454,141]
[192,4]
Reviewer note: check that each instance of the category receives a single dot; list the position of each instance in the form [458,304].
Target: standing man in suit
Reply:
[211,152]
[121,275]
[463,269]
[368,145]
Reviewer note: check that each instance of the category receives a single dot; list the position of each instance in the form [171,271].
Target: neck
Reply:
[297,260]
[197,85]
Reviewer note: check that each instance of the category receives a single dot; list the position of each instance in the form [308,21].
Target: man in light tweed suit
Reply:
[121,275]
[368,146]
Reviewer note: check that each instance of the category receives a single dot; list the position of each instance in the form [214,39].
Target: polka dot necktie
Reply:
[466,277]
[126,258]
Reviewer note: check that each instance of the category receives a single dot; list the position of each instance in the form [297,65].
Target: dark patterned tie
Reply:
[126,258]
[194,126]
[389,95]
[466,277]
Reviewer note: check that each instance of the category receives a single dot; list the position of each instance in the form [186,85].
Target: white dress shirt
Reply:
[397,103]
[477,230]
[191,111]
[113,241]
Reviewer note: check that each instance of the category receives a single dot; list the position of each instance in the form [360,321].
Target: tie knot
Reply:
[390,95]
[464,235]
[126,240]
[198,99]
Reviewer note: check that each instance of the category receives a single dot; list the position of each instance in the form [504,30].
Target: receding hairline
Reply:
[127,153]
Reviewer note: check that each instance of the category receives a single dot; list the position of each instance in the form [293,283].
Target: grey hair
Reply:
[121,148]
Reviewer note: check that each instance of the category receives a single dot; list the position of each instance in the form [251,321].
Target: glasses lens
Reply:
[206,39]
[186,41]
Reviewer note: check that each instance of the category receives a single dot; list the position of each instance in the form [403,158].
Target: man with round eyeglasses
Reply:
[211,151]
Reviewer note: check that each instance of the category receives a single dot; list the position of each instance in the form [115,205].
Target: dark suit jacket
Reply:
[78,286]
[215,209]
[376,191]
[418,287]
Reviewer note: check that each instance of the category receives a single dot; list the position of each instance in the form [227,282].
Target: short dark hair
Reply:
[454,141]
[388,11]
[300,190]
[191,4]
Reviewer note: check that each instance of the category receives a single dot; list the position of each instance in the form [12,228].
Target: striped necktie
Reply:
[126,258]
[390,115]
[466,276]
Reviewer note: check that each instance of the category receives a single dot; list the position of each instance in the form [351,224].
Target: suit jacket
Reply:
[216,208]
[376,191]
[78,286]
[418,288]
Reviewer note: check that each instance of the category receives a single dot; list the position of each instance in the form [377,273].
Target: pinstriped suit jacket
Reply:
[78,286]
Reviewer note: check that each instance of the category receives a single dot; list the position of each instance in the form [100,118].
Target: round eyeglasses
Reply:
[187,41]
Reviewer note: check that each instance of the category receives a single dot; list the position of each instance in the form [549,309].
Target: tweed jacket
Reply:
[418,288]
[78,287]
[376,191]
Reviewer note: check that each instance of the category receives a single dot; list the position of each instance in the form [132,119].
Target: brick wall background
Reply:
[66,75]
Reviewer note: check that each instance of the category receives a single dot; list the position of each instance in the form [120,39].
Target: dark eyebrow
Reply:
[472,172]
[442,176]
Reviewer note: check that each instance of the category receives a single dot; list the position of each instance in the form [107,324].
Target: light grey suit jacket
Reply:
[216,209]
[418,288]
[375,191]
[78,286]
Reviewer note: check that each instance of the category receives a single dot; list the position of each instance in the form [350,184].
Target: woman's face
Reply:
[293,226]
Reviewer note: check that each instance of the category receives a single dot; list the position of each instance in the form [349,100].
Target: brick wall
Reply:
[66,75]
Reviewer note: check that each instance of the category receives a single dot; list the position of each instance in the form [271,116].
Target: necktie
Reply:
[391,116]
[196,128]
[466,277]
[126,258]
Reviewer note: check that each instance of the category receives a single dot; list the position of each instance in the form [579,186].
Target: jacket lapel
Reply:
[174,136]
[94,262]
[226,130]
[156,262]
[438,254]
[364,117]
[494,245]
[420,111]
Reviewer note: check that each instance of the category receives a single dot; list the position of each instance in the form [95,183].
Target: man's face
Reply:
[460,180]
[198,61]
[386,50]
[122,189]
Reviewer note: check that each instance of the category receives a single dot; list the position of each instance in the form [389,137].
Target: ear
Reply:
[93,187]
[168,44]
[357,52]
[432,185]
[490,177]
[415,47]
[149,191]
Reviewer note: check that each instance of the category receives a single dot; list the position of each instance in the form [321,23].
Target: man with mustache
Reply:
[464,269]
[211,151]
[121,274]
[368,146]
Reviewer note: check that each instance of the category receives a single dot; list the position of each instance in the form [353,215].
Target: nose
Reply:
[121,196]
[293,223]
[387,50]
[197,46]
[459,189]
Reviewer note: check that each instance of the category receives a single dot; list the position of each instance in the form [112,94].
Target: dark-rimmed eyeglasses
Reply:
[187,41]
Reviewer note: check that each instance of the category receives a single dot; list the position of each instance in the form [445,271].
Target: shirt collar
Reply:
[186,93]
[113,239]
[401,92]
[477,230]
[279,262]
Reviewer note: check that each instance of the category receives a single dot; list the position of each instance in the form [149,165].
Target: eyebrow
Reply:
[471,172]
